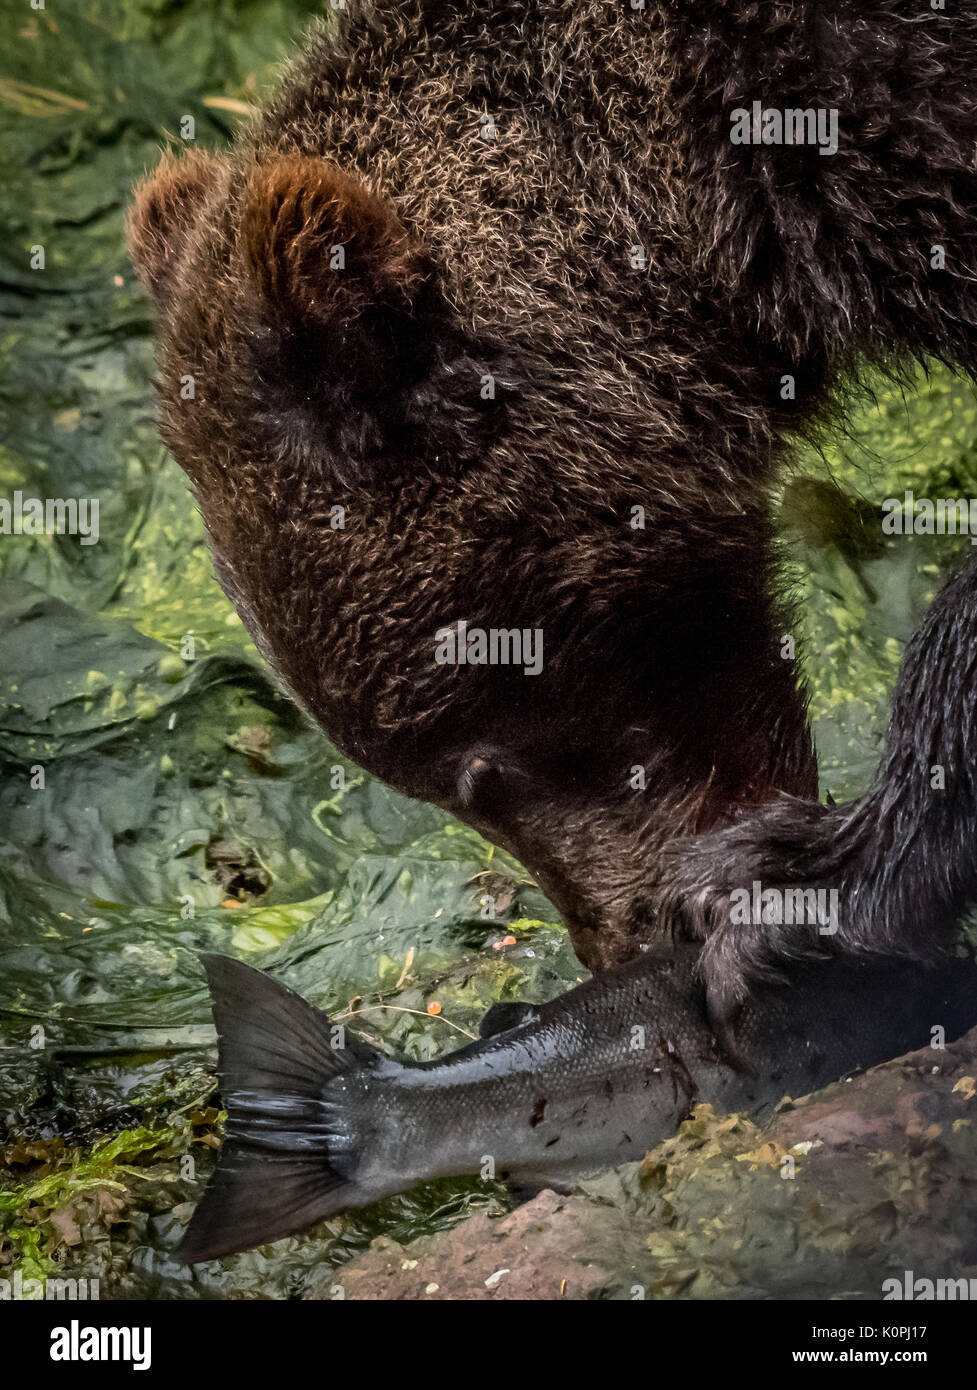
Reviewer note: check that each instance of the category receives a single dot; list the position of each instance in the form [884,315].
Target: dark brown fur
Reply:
[615,387]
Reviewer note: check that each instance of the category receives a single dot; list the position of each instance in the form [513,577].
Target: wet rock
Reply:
[550,1247]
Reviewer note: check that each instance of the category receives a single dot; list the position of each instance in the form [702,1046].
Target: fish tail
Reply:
[288,1158]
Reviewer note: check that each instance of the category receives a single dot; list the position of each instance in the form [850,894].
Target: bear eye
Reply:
[488,780]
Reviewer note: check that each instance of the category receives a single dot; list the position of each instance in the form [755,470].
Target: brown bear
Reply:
[481,349]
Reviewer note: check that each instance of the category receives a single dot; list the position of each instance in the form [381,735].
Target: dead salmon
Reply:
[320,1122]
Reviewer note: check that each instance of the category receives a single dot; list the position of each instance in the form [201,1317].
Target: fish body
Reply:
[320,1122]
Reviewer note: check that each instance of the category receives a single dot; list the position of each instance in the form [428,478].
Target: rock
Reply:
[551,1247]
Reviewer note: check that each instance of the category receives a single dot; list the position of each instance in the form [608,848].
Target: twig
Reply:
[400,1008]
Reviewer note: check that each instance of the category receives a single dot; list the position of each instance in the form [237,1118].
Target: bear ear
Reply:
[348,329]
[165,205]
[320,246]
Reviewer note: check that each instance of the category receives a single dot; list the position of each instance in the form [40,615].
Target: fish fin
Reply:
[501,1017]
[285,1161]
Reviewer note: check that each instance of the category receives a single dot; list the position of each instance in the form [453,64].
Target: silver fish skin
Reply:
[320,1122]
